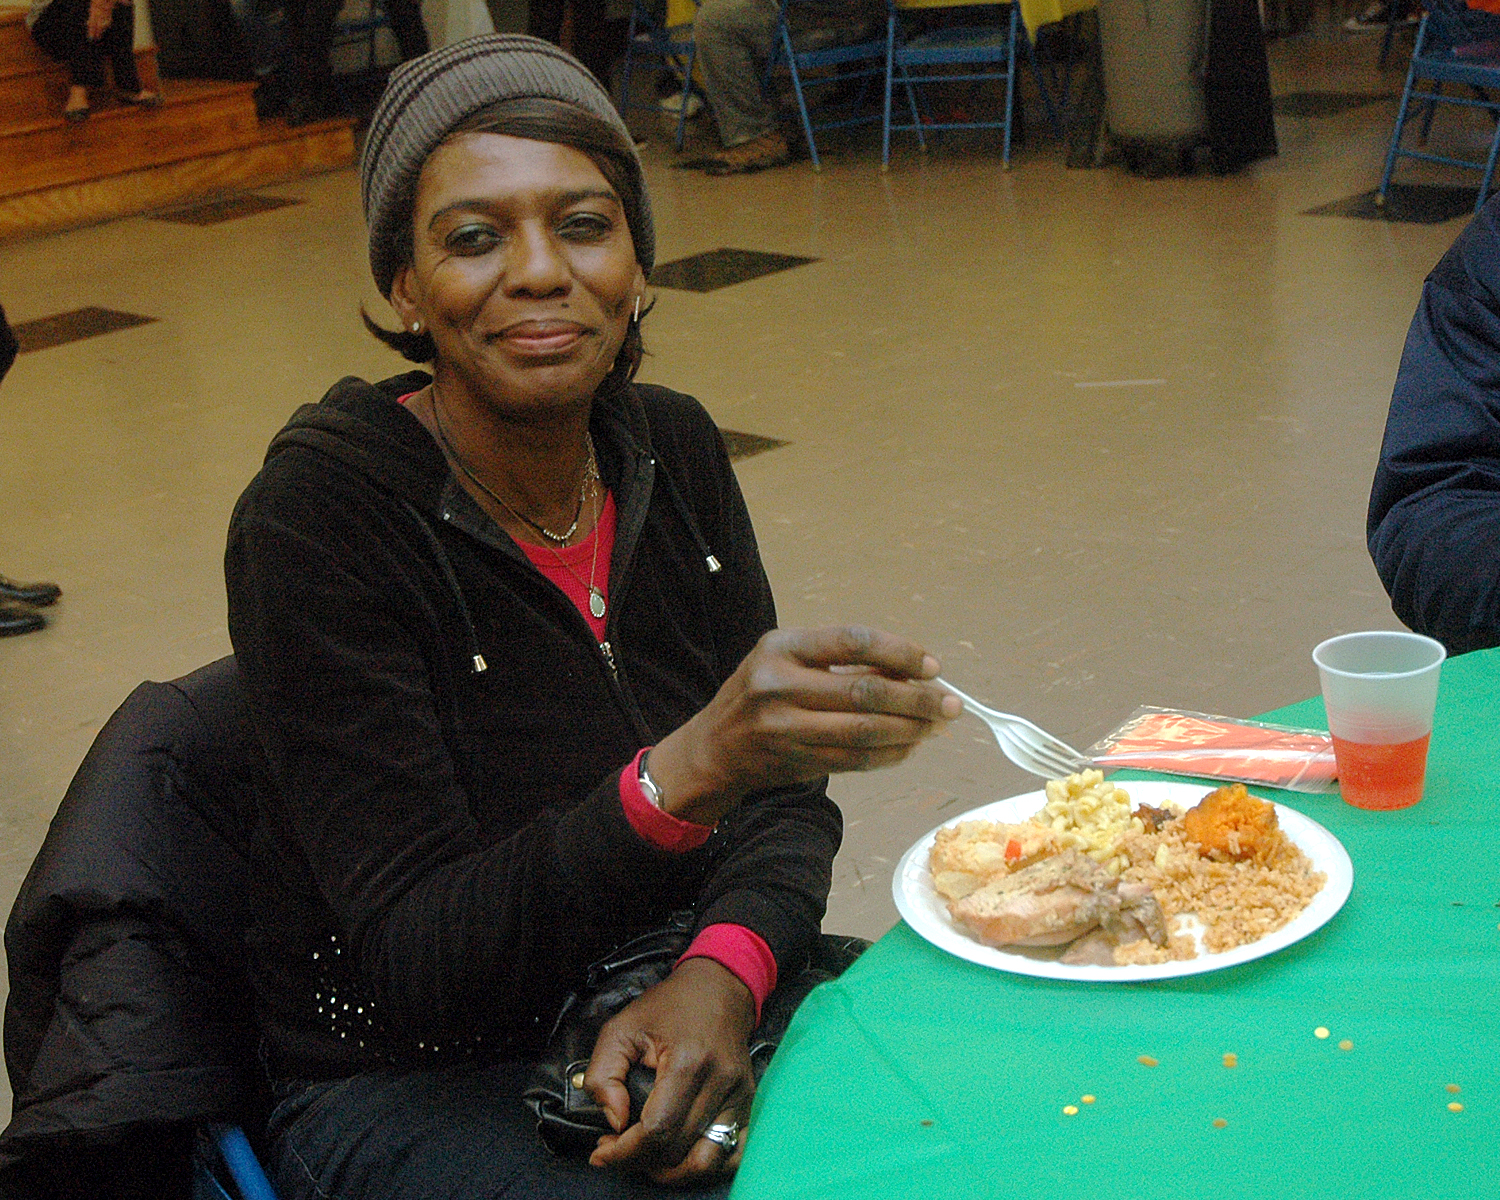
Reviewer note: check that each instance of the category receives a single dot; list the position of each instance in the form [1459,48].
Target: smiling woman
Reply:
[467,606]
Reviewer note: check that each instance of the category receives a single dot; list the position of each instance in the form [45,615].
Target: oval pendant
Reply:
[596,603]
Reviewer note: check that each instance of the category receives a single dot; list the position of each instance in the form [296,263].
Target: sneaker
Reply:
[768,150]
[672,105]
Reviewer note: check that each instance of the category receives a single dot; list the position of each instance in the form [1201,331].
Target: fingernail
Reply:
[952,706]
[930,666]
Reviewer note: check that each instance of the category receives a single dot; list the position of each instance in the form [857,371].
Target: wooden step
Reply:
[279,153]
[31,93]
[205,141]
[17,50]
[198,118]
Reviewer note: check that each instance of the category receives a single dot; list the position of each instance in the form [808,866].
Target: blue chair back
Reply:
[856,52]
[649,36]
[1455,45]
[990,49]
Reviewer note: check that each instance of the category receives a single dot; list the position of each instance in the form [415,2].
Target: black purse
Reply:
[568,1120]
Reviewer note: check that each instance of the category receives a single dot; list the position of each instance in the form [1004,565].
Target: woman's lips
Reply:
[542,337]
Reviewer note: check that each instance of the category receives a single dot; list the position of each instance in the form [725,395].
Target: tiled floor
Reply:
[1096,441]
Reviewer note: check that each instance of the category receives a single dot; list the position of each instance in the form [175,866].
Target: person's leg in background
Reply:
[309,78]
[117,44]
[597,42]
[19,601]
[62,33]
[734,39]
[406,23]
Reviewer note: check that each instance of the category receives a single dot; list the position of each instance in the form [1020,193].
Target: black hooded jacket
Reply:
[1434,520]
[445,849]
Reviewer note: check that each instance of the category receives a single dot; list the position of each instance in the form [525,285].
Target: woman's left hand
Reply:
[692,1029]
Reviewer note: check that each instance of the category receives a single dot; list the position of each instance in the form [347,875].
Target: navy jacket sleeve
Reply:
[1434,521]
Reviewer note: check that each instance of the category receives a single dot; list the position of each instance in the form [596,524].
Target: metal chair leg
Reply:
[1010,86]
[890,67]
[1437,90]
[1489,171]
[1390,157]
[807,129]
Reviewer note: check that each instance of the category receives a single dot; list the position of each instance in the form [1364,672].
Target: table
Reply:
[1034,13]
[921,1075]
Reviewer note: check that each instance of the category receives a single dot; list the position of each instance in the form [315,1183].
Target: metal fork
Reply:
[1027,745]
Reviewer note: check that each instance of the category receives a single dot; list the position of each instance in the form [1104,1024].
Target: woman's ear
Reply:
[403,301]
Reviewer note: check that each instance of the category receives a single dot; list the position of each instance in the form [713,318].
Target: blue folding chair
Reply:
[990,48]
[225,1167]
[651,37]
[834,61]
[1455,44]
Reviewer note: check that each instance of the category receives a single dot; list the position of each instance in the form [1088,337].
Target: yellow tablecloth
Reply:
[1034,13]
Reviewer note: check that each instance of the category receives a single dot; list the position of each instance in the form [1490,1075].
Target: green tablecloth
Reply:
[921,1075]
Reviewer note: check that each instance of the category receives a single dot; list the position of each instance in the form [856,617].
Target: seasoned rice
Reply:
[1236,902]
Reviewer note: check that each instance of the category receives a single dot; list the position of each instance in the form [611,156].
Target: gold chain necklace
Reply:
[590,473]
[597,605]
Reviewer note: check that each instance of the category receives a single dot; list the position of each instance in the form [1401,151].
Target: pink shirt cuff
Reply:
[660,829]
[741,951]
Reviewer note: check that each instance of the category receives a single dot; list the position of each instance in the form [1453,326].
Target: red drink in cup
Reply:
[1382,777]
[1380,690]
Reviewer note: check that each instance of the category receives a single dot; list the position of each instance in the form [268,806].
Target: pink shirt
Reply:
[739,950]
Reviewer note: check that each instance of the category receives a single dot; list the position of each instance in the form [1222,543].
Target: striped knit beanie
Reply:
[426,97]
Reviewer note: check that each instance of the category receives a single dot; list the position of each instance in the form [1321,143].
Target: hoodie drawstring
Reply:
[476,660]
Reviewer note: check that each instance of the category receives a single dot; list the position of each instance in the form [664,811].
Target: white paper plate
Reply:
[927,912]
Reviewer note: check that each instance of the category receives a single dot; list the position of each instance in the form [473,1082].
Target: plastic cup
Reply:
[1380,690]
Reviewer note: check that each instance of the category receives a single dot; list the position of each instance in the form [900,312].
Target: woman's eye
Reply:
[471,239]
[586,226]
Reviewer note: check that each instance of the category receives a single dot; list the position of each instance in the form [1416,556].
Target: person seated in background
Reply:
[735,39]
[1434,519]
[306,80]
[19,601]
[506,638]
[82,34]
[596,40]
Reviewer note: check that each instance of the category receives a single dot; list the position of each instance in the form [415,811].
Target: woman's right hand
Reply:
[803,703]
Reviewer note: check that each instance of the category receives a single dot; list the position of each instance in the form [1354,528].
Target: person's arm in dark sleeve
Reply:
[775,851]
[1434,518]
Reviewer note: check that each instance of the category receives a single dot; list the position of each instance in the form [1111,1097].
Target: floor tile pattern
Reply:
[747,445]
[714,269]
[231,208]
[1407,203]
[45,332]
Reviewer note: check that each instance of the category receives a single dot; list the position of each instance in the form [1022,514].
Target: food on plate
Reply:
[1116,887]
[1231,824]
[1089,815]
[967,854]
[1056,901]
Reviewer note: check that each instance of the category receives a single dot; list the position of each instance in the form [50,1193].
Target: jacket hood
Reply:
[360,425]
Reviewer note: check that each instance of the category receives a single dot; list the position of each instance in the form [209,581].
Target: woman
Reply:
[463,604]
[83,34]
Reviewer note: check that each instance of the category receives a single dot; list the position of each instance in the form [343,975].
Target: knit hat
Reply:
[427,96]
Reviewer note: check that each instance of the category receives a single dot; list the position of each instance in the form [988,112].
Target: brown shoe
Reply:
[768,150]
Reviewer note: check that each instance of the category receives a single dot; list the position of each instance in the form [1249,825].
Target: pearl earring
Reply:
[416,326]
